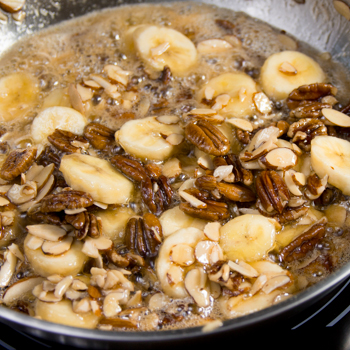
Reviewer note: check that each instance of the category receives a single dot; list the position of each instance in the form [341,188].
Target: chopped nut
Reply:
[287,68]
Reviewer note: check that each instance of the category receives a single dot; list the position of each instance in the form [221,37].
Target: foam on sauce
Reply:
[70,52]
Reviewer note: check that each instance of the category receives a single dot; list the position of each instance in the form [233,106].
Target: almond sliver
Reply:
[336,117]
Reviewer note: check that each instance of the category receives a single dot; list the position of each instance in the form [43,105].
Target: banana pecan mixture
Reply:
[169,175]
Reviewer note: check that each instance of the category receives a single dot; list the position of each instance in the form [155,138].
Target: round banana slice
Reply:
[18,95]
[175,219]
[170,274]
[68,263]
[240,89]
[331,156]
[285,71]
[114,221]
[159,47]
[97,177]
[64,118]
[62,312]
[147,138]
[247,237]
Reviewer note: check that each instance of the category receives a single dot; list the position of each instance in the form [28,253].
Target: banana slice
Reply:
[18,95]
[64,118]
[170,274]
[247,237]
[331,156]
[148,138]
[114,221]
[240,89]
[62,312]
[285,71]
[68,263]
[160,47]
[175,219]
[97,177]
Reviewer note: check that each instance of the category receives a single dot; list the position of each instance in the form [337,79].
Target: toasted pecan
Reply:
[207,137]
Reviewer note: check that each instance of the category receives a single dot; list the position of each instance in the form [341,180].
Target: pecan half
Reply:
[207,137]
[66,199]
[130,167]
[157,194]
[143,235]
[99,136]
[85,224]
[304,243]
[309,109]
[272,191]
[214,210]
[304,130]
[241,175]
[310,92]
[64,141]
[17,162]
[232,192]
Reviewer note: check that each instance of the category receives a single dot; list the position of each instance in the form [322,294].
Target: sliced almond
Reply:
[46,231]
[111,305]
[74,211]
[172,168]
[43,192]
[242,124]
[160,49]
[7,269]
[258,284]
[336,117]
[175,139]
[75,99]
[19,194]
[222,171]
[182,254]
[3,190]
[203,251]
[84,92]
[168,119]
[206,162]
[213,46]
[111,90]
[192,200]
[209,93]
[202,111]
[292,186]
[174,275]
[14,249]
[57,248]
[91,83]
[221,101]
[262,103]
[18,289]
[117,74]
[274,283]
[211,326]
[243,268]
[212,231]
[287,68]
[34,242]
[12,5]
[4,201]
[197,286]
[279,159]
[8,217]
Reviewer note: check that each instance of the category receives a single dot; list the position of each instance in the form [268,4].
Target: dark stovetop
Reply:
[325,325]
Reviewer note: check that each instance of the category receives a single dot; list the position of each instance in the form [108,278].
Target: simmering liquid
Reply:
[160,168]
